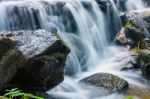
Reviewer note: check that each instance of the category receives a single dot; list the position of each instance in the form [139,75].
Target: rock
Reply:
[139,26]
[144,44]
[144,62]
[22,18]
[134,35]
[147,2]
[139,19]
[107,81]
[121,38]
[32,60]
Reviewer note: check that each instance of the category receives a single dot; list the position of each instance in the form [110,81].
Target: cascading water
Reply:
[130,5]
[85,28]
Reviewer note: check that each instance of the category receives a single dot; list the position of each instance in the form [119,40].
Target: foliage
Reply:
[16,93]
[128,24]
[135,50]
[128,97]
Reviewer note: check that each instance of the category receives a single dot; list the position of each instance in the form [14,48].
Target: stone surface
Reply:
[140,20]
[121,38]
[107,81]
[144,62]
[32,60]
[140,28]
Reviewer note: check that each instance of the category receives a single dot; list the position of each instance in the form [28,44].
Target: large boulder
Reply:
[108,81]
[143,61]
[32,60]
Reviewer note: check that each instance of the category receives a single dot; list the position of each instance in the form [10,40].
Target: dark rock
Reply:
[29,67]
[144,62]
[107,81]
[134,35]
[147,2]
[127,68]
[140,26]
[140,20]
[121,5]
[104,4]
[22,18]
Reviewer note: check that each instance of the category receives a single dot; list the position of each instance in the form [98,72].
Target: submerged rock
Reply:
[32,60]
[105,80]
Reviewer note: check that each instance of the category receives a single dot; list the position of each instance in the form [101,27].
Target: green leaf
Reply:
[128,97]
[26,95]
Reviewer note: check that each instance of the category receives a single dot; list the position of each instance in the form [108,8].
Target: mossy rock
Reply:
[144,62]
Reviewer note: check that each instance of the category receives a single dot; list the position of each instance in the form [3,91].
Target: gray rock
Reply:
[105,80]
[32,60]
[140,20]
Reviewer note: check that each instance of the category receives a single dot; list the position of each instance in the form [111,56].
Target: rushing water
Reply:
[130,5]
[86,29]
[135,5]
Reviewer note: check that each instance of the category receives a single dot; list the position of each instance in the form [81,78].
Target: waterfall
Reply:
[86,27]
[135,5]
[130,5]
[81,24]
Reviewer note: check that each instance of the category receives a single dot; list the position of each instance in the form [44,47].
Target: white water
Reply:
[90,50]
[135,5]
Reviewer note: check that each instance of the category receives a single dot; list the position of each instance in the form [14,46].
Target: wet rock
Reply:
[121,5]
[147,2]
[144,62]
[107,81]
[22,18]
[139,26]
[103,4]
[140,20]
[134,35]
[121,38]
[32,60]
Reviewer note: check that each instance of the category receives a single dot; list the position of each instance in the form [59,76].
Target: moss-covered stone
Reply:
[144,62]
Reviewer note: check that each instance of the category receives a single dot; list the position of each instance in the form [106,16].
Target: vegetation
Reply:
[128,24]
[128,97]
[18,94]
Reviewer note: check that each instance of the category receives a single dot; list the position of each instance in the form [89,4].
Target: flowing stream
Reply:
[87,30]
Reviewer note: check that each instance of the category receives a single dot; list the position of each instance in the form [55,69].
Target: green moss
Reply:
[128,97]
[128,25]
